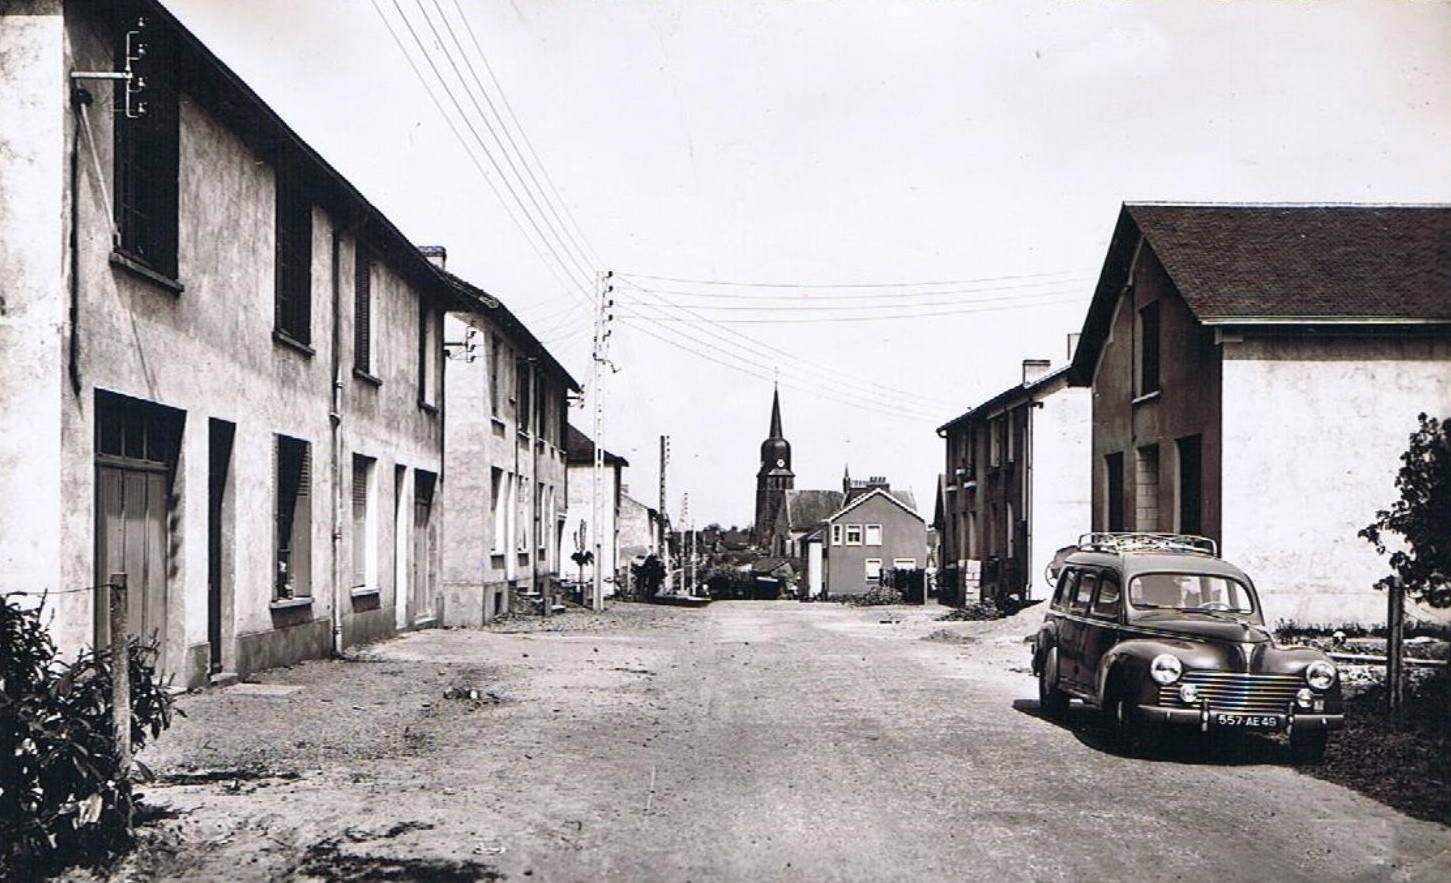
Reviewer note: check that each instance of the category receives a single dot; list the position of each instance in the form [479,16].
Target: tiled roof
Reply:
[807,508]
[1304,262]
[580,448]
[1302,265]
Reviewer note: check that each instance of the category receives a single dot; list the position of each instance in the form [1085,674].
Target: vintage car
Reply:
[1161,634]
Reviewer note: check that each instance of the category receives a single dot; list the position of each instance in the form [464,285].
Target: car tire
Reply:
[1052,702]
[1131,735]
[1308,746]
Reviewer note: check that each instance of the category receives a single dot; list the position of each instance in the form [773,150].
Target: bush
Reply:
[876,596]
[63,797]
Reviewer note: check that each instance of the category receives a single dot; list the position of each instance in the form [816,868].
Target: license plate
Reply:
[1247,721]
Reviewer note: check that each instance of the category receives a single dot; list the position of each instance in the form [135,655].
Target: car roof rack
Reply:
[1147,542]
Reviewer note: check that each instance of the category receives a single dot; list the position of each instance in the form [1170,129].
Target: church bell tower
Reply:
[775,477]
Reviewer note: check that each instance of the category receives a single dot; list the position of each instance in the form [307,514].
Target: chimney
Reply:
[1072,345]
[1033,369]
[436,254]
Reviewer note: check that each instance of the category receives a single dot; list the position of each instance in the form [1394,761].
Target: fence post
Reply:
[1395,638]
[120,677]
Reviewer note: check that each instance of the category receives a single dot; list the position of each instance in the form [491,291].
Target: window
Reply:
[294,251]
[1109,598]
[1190,484]
[1086,584]
[501,510]
[1190,591]
[1146,489]
[874,535]
[293,463]
[1067,587]
[995,441]
[873,569]
[522,399]
[494,361]
[836,535]
[1148,348]
[365,557]
[146,150]
[363,309]
[430,354]
[1114,491]
[853,534]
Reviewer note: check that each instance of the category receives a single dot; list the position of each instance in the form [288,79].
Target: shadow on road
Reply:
[1179,745]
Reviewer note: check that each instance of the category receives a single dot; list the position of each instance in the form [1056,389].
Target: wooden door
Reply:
[131,538]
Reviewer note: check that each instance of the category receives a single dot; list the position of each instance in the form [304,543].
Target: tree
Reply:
[1421,517]
[1421,567]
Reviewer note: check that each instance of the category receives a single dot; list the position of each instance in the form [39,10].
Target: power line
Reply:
[738,284]
[829,375]
[463,142]
[895,297]
[1048,300]
[546,213]
[810,304]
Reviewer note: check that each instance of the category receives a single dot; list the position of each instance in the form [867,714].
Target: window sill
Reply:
[140,268]
[367,378]
[366,592]
[291,603]
[287,340]
[1146,397]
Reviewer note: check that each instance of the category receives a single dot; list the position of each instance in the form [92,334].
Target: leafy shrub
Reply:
[63,796]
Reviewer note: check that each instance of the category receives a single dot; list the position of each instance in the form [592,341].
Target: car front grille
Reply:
[1236,691]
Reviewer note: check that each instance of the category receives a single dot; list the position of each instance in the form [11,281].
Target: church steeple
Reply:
[775,477]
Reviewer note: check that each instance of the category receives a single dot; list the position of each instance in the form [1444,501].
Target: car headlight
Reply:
[1320,675]
[1166,668]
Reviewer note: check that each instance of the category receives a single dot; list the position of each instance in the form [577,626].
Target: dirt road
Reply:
[747,740]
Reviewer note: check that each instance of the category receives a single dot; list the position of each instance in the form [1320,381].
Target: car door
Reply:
[1101,630]
[1072,652]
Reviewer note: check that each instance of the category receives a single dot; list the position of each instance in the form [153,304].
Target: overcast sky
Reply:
[825,159]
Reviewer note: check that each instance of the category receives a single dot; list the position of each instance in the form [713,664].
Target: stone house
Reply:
[505,438]
[1016,486]
[603,540]
[873,532]
[222,368]
[1256,371]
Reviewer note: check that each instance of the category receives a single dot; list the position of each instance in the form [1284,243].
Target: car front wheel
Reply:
[1308,746]
[1131,735]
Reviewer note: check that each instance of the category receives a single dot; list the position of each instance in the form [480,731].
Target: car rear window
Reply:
[1086,584]
[1067,585]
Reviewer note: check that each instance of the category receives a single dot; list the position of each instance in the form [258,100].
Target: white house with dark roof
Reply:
[1256,371]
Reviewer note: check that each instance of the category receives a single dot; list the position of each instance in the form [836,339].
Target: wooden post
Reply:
[1395,636]
[120,676]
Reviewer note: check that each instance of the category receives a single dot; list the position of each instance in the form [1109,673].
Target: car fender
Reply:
[1046,639]
[1127,664]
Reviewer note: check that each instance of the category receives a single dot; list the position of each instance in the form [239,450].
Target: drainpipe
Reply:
[80,97]
[535,419]
[335,419]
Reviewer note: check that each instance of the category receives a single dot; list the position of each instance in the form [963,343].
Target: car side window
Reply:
[1086,584]
[1110,597]
[1067,585]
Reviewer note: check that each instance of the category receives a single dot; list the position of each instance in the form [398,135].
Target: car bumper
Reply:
[1207,718]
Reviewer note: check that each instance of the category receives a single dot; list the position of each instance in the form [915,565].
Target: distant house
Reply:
[1016,486]
[639,532]
[601,541]
[798,513]
[1256,372]
[847,552]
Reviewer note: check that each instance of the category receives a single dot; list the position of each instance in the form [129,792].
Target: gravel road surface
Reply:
[745,740]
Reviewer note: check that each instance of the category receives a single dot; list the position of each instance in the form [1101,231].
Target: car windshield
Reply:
[1190,591]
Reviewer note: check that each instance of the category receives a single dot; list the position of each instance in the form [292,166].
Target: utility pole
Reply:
[687,547]
[664,513]
[603,303]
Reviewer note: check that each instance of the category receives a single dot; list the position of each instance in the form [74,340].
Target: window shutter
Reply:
[363,308]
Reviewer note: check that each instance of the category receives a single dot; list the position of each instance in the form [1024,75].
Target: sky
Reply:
[881,207]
